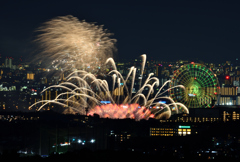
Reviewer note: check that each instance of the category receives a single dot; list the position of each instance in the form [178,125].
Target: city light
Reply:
[181,126]
[105,102]
[65,144]
[92,141]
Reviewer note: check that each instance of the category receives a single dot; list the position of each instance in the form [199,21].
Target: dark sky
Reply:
[208,30]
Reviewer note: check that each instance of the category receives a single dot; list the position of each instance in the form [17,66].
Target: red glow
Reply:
[192,62]
[227,77]
[114,111]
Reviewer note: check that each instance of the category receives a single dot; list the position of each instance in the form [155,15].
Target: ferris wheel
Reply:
[201,86]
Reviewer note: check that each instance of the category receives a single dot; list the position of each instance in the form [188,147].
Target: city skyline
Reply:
[23,85]
[207,30]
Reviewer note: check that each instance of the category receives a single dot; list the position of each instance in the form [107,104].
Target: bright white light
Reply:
[79,141]
[92,140]
[162,102]
[64,144]
[105,102]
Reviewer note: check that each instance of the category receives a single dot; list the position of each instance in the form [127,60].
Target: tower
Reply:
[10,63]
[6,62]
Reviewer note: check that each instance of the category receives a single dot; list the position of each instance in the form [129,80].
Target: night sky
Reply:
[172,30]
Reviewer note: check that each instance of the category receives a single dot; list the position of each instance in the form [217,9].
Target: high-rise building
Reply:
[6,62]
[10,63]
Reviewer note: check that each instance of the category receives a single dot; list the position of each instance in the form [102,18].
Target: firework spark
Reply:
[84,91]
[115,111]
[72,43]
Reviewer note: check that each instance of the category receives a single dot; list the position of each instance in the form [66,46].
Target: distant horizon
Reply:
[196,60]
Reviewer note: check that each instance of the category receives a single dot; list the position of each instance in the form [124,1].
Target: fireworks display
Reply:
[115,111]
[72,43]
[83,91]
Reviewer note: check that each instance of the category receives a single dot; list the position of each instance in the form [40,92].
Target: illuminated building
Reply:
[209,115]
[120,137]
[184,130]
[162,132]
[229,96]
[30,76]
[14,117]
[198,115]
[171,131]
[10,63]
[230,116]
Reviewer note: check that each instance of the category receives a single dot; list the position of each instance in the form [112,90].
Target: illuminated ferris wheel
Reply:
[201,86]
